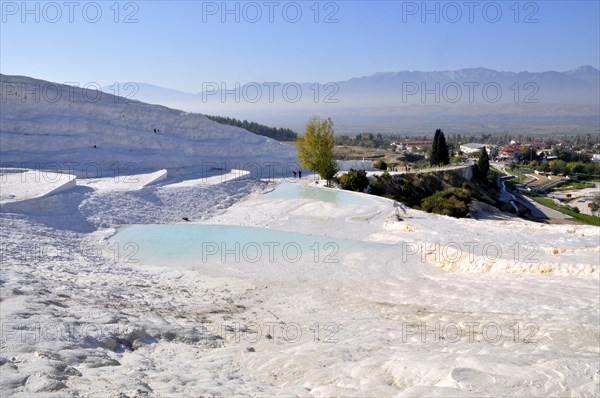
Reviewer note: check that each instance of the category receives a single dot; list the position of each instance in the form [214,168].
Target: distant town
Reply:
[568,155]
[560,173]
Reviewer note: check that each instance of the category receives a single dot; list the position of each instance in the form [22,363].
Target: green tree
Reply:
[544,167]
[452,202]
[483,163]
[315,149]
[380,164]
[557,167]
[354,180]
[528,154]
[439,150]
[575,167]
[280,134]
[456,159]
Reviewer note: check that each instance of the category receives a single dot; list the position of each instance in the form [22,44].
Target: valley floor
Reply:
[448,308]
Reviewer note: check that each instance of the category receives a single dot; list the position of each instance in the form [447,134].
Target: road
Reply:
[537,210]
[541,211]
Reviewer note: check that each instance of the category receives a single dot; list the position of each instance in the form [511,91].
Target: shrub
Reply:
[452,202]
[354,180]
[380,164]
[456,159]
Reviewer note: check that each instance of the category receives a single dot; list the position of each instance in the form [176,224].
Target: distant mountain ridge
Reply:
[581,78]
[470,100]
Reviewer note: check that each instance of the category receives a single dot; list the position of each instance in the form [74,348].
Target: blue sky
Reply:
[183,44]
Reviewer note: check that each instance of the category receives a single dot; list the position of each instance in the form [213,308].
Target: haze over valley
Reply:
[467,100]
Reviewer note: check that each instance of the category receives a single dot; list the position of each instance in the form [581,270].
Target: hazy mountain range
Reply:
[469,100]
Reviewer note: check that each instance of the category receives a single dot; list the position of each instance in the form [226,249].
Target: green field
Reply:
[591,220]
[520,177]
[575,185]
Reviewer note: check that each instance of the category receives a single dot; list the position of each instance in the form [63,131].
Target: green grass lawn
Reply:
[524,170]
[588,177]
[591,220]
[520,177]
[575,185]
